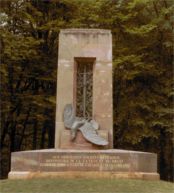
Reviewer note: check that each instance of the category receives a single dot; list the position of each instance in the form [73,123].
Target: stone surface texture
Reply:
[85,44]
[84,163]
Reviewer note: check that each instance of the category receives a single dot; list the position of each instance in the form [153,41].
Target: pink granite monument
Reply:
[84,118]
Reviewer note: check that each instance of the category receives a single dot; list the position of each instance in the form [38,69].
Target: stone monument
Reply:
[84,118]
[85,81]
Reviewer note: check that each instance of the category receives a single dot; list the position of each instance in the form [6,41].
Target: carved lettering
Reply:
[106,162]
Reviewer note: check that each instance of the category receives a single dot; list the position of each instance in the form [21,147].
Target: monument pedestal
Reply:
[110,163]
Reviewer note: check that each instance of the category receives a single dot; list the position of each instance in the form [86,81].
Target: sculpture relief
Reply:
[88,128]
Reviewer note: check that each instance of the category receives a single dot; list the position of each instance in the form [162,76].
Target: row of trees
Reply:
[142,76]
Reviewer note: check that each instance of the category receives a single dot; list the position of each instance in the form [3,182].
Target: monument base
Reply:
[88,175]
[110,163]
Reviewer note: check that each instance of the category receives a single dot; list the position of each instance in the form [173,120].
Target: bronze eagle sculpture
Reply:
[88,128]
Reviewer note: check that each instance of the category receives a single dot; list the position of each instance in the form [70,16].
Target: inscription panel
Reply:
[59,161]
[85,162]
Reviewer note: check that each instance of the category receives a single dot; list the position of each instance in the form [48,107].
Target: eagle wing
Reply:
[90,134]
[69,116]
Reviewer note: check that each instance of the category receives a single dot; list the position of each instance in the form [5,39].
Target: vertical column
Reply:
[86,44]
[102,97]
[65,85]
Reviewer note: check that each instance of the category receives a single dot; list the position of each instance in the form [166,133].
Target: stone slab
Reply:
[87,175]
[81,162]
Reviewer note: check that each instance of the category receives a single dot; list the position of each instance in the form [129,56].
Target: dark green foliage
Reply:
[143,82]
[142,75]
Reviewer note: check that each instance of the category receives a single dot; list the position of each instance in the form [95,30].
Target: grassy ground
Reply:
[85,186]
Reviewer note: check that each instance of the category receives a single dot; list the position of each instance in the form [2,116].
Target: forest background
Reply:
[142,72]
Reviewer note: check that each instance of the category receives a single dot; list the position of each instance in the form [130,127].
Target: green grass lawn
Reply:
[58,185]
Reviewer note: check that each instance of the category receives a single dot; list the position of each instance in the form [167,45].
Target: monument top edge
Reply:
[85,30]
[85,151]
